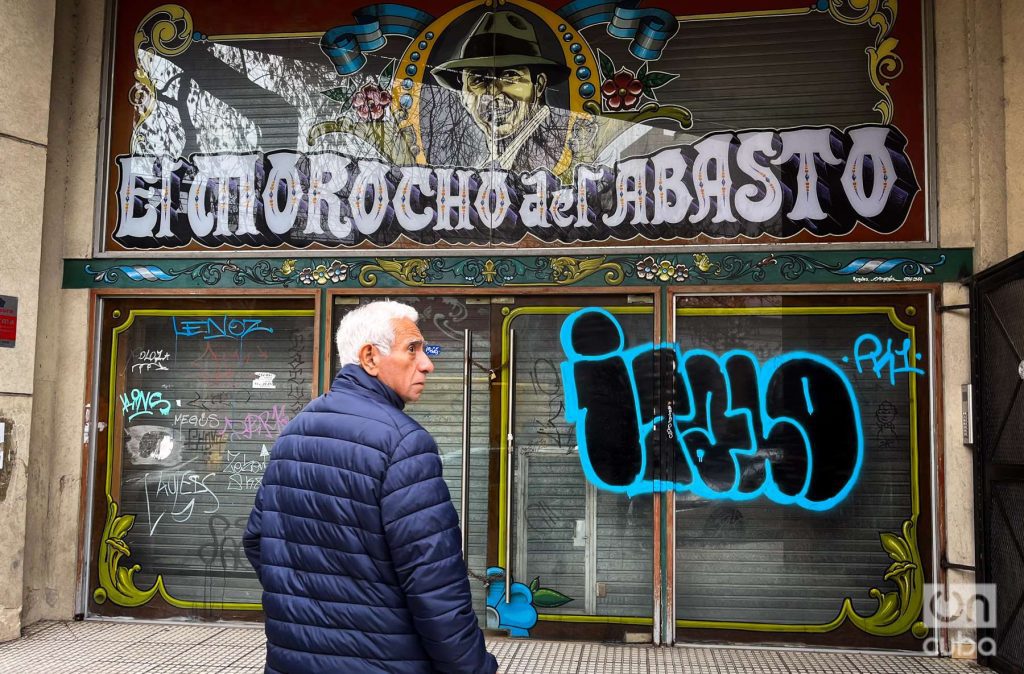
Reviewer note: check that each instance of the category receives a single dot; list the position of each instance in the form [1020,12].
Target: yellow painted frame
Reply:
[874,624]
[510,315]
[116,582]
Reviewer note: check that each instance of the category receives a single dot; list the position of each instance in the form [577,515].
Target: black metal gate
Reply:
[997,335]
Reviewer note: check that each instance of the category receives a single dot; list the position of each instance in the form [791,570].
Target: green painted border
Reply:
[940,265]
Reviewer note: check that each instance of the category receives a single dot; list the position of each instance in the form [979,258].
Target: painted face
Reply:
[502,100]
[405,369]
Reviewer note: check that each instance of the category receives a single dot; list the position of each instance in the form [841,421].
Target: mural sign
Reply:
[515,124]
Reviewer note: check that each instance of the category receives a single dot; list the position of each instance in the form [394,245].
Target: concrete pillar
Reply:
[62,349]
[978,147]
[1013,96]
[26,49]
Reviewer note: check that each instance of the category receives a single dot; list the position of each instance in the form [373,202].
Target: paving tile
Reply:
[255,657]
[94,647]
[216,656]
[183,634]
[238,636]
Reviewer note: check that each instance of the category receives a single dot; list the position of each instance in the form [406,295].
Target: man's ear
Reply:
[368,359]
[540,86]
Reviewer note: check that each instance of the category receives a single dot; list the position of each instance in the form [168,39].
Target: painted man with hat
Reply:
[502,76]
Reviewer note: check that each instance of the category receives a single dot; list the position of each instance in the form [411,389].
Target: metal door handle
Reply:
[467,397]
[510,441]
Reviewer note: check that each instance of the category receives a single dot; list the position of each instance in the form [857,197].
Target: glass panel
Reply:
[592,546]
[766,560]
[199,398]
[443,321]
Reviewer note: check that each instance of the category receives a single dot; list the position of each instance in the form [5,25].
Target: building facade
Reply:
[685,279]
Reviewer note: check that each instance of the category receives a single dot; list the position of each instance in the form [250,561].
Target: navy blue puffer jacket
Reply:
[356,542]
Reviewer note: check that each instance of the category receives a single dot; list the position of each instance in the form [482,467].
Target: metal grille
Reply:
[1007,559]
[1003,336]
[201,406]
[997,335]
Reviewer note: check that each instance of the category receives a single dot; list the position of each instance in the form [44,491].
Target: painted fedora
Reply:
[499,40]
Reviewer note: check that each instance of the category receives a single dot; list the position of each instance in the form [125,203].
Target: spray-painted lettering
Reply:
[203,420]
[185,489]
[244,472]
[788,429]
[883,359]
[218,327]
[264,425]
[137,403]
[150,359]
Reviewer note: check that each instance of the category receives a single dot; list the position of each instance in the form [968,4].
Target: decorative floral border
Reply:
[539,271]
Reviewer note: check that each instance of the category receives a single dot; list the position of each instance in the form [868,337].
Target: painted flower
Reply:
[288,267]
[320,275]
[516,614]
[371,102]
[622,92]
[306,276]
[682,273]
[337,272]
[666,270]
[646,268]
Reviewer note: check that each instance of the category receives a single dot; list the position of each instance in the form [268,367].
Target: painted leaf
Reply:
[607,67]
[896,547]
[897,569]
[888,609]
[535,584]
[648,92]
[121,526]
[339,94]
[548,598]
[387,75]
[655,79]
[641,71]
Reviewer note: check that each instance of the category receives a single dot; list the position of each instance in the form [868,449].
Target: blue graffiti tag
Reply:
[137,403]
[788,429]
[222,327]
[882,358]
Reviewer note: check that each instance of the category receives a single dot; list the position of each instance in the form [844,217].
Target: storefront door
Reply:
[582,556]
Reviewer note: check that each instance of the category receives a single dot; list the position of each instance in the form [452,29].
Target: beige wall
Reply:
[979,80]
[26,39]
[55,474]
[1013,95]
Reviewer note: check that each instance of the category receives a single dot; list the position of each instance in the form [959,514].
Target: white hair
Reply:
[371,323]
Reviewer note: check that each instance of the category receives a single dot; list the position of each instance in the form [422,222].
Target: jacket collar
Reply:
[353,376]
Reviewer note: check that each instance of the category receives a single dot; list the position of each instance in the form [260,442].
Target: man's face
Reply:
[406,367]
[502,100]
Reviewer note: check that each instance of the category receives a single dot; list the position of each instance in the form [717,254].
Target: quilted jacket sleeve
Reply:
[422,532]
[251,537]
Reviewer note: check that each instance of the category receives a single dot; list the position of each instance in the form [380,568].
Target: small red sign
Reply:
[8,320]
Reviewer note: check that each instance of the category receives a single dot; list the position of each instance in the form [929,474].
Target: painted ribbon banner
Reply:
[514,125]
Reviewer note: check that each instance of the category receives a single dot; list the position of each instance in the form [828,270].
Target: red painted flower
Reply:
[371,102]
[622,92]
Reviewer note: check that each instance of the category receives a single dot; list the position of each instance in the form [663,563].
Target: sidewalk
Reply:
[92,647]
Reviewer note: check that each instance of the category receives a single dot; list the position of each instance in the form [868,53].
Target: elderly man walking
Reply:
[353,535]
